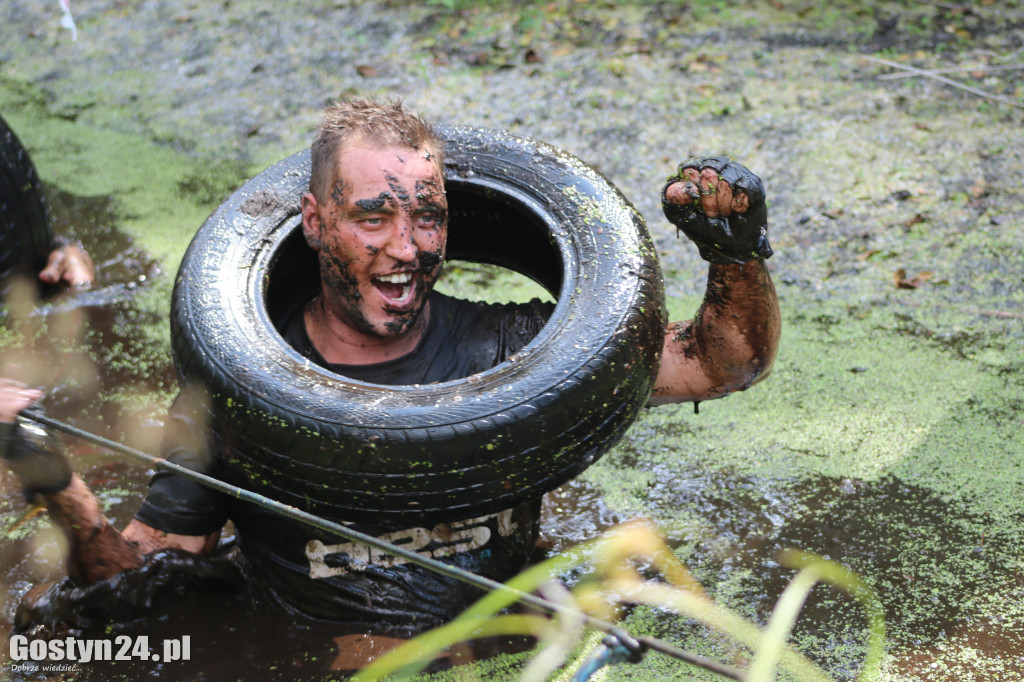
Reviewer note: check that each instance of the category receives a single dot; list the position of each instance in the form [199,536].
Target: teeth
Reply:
[404,279]
[399,278]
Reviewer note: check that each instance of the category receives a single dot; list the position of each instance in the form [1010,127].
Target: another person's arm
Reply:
[732,342]
[96,551]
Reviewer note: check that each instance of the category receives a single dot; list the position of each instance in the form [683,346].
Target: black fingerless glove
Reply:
[35,456]
[740,238]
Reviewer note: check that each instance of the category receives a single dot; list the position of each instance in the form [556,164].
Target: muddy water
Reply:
[930,558]
[72,345]
[234,634]
[96,334]
[866,527]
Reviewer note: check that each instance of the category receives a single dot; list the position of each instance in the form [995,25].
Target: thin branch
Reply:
[1001,57]
[964,69]
[948,81]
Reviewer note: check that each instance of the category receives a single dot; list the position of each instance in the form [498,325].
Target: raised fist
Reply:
[719,205]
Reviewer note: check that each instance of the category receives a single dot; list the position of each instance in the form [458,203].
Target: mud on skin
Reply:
[400,194]
[335,271]
[370,204]
[429,263]
[338,192]
[721,290]
[431,194]
[336,275]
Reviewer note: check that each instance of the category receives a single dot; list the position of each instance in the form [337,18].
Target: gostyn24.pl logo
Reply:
[122,648]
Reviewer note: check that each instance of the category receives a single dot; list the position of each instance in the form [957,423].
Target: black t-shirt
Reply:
[462,338]
[326,576]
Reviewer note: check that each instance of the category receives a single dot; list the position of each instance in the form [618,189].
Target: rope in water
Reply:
[412,557]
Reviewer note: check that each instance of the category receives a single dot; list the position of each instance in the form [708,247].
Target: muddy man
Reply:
[376,214]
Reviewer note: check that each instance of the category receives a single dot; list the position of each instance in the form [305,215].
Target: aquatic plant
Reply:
[619,560]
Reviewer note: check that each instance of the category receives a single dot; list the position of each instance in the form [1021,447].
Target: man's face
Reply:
[380,236]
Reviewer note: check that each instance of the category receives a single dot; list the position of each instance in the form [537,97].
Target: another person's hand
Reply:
[28,450]
[70,264]
[719,205]
[15,397]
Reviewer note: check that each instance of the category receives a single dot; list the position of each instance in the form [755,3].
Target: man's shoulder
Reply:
[479,335]
[462,311]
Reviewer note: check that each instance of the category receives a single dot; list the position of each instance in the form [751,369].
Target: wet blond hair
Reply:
[387,123]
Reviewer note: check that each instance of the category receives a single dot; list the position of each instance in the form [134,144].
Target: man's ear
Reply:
[311,221]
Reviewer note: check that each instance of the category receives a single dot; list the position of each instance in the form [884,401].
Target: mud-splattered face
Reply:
[380,236]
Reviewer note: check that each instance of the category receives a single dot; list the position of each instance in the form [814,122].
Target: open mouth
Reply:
[396,289]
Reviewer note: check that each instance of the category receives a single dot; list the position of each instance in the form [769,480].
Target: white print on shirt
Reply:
[442,540]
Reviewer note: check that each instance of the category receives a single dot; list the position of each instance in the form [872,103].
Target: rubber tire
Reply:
[349,450]
[26,231]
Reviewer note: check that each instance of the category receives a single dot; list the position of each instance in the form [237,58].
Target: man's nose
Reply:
[402,244]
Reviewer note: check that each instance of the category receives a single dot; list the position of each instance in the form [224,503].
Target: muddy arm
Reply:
[731,343]
[97,550]
[148,539]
